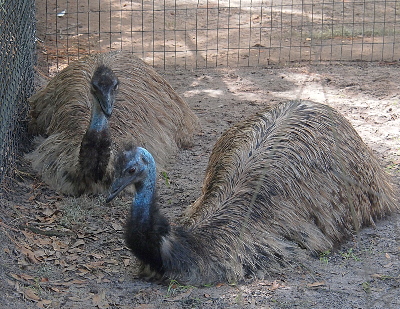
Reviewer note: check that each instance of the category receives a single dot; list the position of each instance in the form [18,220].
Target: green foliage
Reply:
[166,178]
[323,256]
[366,287]
[174,287]
[349,254]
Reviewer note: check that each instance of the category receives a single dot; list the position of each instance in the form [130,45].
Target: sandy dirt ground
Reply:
[63,252]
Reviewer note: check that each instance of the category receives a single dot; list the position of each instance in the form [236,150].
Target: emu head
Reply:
[104,88]
[134,165]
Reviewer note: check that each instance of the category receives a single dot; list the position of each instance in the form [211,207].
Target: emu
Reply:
[291,181]
[76,135]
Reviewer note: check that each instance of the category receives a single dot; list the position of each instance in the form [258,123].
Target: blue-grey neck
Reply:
[99,120]
[145,192]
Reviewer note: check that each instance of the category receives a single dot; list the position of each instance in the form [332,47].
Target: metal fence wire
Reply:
[182,33]
[17,58]
[213,33]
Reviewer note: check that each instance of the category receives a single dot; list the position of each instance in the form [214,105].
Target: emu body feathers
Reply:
[147,111]
[293,177]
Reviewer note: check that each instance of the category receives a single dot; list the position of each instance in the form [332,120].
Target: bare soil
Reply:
[61,252]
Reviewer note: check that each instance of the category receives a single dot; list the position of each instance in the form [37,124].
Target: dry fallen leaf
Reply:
[15,276]
[44,303]
[79,242]
[97,256]
[31,294]
[83,272]
[44,241]
[29,254]
[75,281]
[116,226]
[79,299]
[146,306]
[70,268]
[111,261]
[75,250]
[27,234]
[59,245]
[53,288]
[93,265]
[72,257]
[180,296]
[27,277]
[48,212]
[62,263]
[274,286]
[316,284]
[120,248]
[39,254]
[10,282]
[99,300]
[23,262]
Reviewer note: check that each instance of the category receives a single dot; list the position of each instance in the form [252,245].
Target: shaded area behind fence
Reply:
[213,33]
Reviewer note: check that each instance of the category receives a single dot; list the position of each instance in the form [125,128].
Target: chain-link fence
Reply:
[17,56]
[213,33]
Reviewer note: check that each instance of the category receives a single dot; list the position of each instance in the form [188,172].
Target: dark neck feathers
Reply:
[147,226]
[94,154]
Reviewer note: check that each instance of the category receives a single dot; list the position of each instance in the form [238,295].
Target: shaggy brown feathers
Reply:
[300,167]
[147,111]
[296,176]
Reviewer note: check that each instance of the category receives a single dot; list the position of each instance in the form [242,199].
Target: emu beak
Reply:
[107,104]
[117,186]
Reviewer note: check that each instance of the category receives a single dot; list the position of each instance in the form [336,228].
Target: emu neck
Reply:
[95,150]
[146,227]
[145,198]
[98,121]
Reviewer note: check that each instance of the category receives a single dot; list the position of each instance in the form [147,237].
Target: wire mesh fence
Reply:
[17,57]
[212,33]
[183,33]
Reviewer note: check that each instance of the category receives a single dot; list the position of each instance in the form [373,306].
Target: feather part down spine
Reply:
[295,178]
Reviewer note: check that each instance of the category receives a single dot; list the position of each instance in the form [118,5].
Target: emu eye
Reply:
[132,170]
[116,87]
